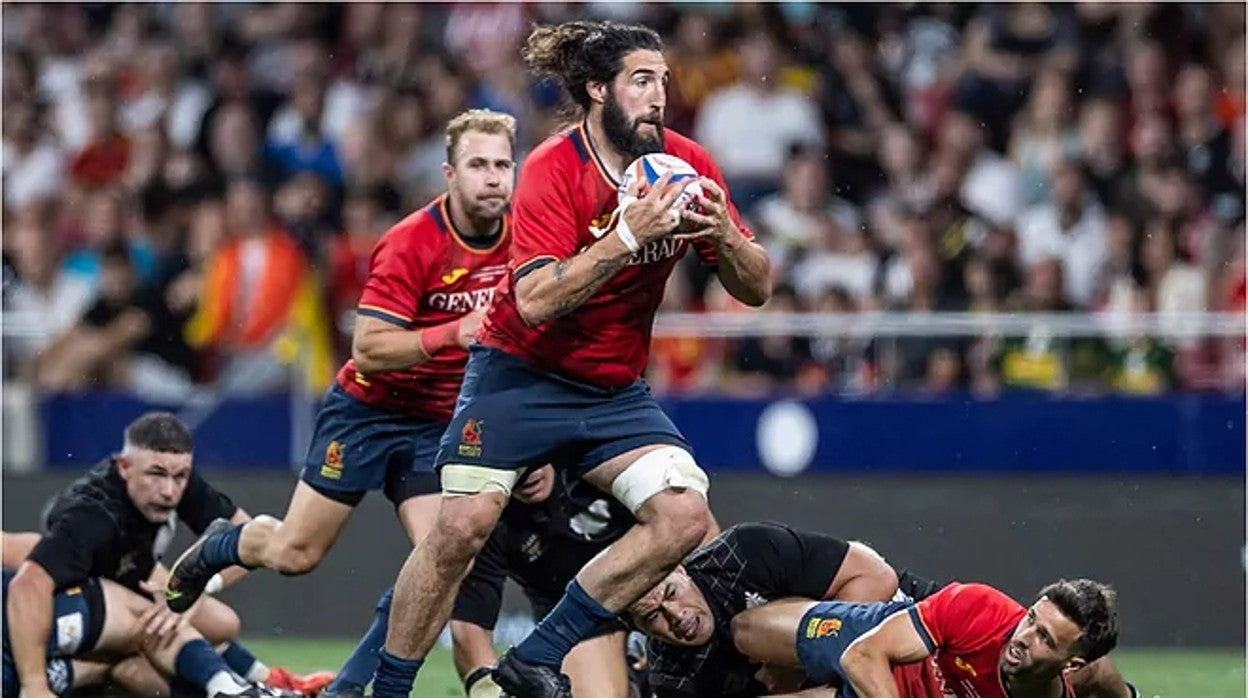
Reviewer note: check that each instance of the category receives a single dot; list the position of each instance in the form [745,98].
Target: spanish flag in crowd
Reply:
[280,307]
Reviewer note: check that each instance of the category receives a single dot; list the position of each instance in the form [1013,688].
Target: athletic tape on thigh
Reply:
[461,480]
[663,468]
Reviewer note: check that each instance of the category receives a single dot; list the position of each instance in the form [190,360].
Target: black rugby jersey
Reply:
[91,528]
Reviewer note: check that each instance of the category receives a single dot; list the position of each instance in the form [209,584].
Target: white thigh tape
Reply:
[664,468]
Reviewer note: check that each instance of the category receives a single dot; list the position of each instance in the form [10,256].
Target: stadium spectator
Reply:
[750,125]
[952,123]
[1070,228]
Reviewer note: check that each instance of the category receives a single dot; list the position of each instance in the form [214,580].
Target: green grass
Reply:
[1158,674]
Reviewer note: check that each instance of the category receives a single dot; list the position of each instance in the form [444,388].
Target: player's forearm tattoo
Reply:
[602,270]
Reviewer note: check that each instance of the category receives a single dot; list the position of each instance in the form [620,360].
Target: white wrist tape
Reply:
[215,584]
[623,231]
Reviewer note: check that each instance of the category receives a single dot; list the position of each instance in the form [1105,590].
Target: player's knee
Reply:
[463,527]
[744,626]
[217,622]
[680,519]
[295,558]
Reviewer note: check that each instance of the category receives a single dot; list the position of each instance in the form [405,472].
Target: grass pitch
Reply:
[1158,674]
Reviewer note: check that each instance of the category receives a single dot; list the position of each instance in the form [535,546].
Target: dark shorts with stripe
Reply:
[357,449]
[514,416]
[77,619]
[830,627]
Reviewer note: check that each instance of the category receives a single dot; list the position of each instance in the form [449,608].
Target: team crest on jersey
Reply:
[532,547]
[470,438]
[333,461]
[962,664]
[823,627]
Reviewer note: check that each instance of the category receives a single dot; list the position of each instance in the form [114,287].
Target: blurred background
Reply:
[1008,243]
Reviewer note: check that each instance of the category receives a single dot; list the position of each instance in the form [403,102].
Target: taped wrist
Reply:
[439,337]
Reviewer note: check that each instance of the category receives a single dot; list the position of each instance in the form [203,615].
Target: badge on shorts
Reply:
[69,632]
[333,461]
[470,438]
[822,627]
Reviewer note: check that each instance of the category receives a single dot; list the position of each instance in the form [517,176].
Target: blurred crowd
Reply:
[191,191]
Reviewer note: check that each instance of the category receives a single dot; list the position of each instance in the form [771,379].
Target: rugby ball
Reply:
[649,168]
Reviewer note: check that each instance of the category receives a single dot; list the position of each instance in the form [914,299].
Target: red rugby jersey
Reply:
[423,273]
[563,191]
[967,626]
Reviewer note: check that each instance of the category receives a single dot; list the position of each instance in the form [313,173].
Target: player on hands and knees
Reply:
[430,278]
[556,377]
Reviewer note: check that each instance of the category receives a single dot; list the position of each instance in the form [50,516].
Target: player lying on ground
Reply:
[971,639]
[731,590]
[82,586]
[430,277]
[689,615]
[217,622]
[556,376]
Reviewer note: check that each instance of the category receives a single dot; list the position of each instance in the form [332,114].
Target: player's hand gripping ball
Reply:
[643,172]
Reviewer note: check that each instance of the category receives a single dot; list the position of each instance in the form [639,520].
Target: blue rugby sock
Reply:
[362,663]
[221,550]
[574,618]
[395,676]
[239,659]
[197,662]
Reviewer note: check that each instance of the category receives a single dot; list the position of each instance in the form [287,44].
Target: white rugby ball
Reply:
[649,168]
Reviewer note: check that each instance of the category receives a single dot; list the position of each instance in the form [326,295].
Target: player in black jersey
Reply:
[701,617]
[543,539]
[84,586]
[545,535]
[689,615]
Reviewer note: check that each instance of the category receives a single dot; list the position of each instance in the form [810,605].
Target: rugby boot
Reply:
[520,680]
[190,574]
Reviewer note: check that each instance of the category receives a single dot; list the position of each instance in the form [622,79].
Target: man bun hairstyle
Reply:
[1093,607]
[160,432]
[579,52]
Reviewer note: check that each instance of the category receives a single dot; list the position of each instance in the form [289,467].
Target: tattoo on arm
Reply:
[602,270]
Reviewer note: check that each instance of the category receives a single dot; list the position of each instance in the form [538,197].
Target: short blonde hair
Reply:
[482,121]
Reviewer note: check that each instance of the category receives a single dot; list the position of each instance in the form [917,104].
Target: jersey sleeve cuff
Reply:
[385,315]
[920,626]
[523,270]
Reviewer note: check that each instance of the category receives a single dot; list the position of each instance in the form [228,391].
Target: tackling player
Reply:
[691,615]
[431,276]
[557,375]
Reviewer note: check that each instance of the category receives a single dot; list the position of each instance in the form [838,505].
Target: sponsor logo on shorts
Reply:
[333,461]
[823,627]
[69,632]
[470,438]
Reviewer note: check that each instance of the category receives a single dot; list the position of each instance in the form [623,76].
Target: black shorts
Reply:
[77,620]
